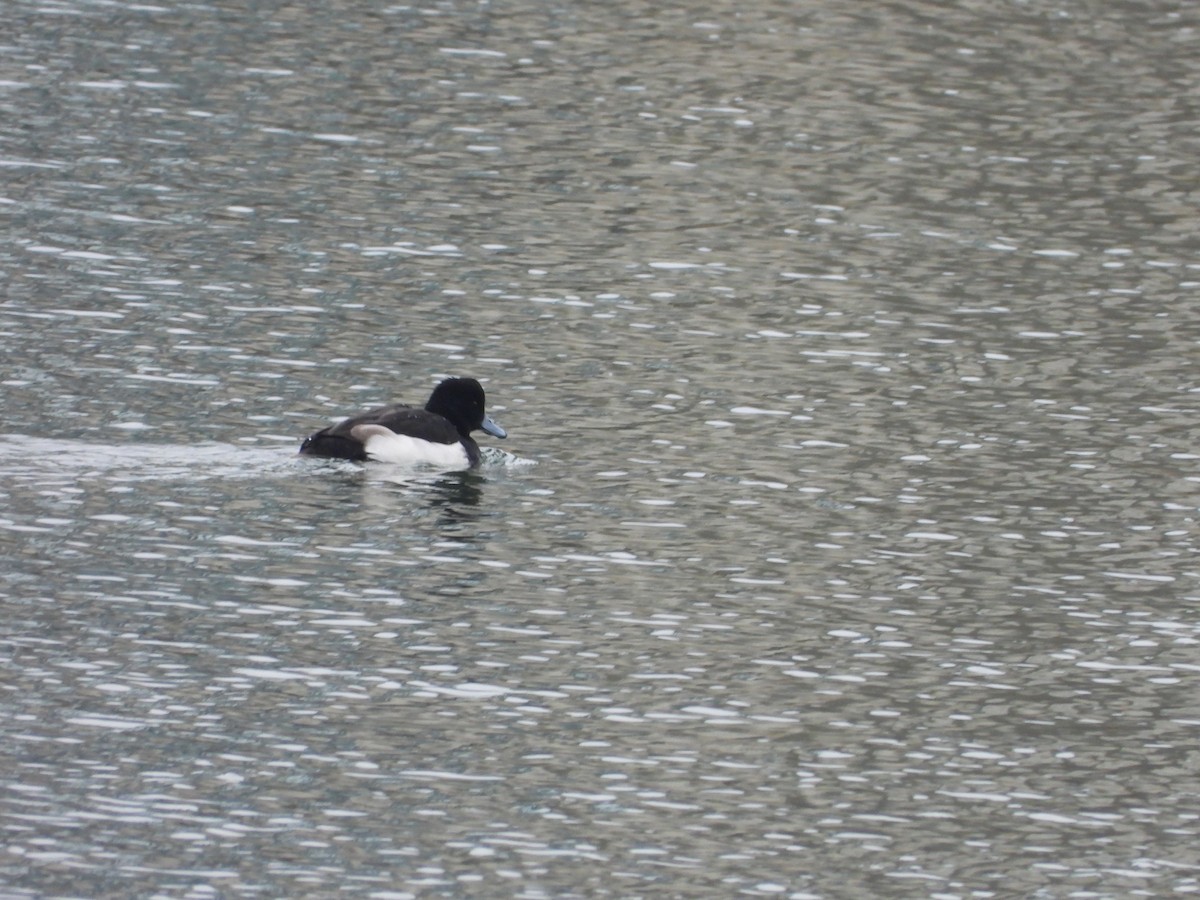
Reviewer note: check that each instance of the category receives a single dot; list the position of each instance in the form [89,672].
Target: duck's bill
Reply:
[492,428]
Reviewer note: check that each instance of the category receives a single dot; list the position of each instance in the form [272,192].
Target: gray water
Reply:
[844,543]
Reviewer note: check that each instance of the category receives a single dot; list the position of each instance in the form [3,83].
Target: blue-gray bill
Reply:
[492,428]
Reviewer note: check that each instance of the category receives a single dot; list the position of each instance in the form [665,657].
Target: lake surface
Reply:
[844,543]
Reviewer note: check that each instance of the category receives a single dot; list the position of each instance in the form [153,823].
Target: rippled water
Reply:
[844,543]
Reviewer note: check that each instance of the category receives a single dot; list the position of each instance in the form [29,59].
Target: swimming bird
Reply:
[439,434]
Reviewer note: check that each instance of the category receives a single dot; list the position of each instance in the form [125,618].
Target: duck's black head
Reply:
[461,401]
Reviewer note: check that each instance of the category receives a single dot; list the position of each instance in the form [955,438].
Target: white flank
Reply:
[384,445]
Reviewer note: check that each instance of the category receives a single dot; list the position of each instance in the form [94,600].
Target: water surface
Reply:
[843,544]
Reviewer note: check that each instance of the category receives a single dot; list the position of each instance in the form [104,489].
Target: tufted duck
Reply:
[439,434]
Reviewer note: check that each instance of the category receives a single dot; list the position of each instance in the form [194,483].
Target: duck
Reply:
[439,434]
